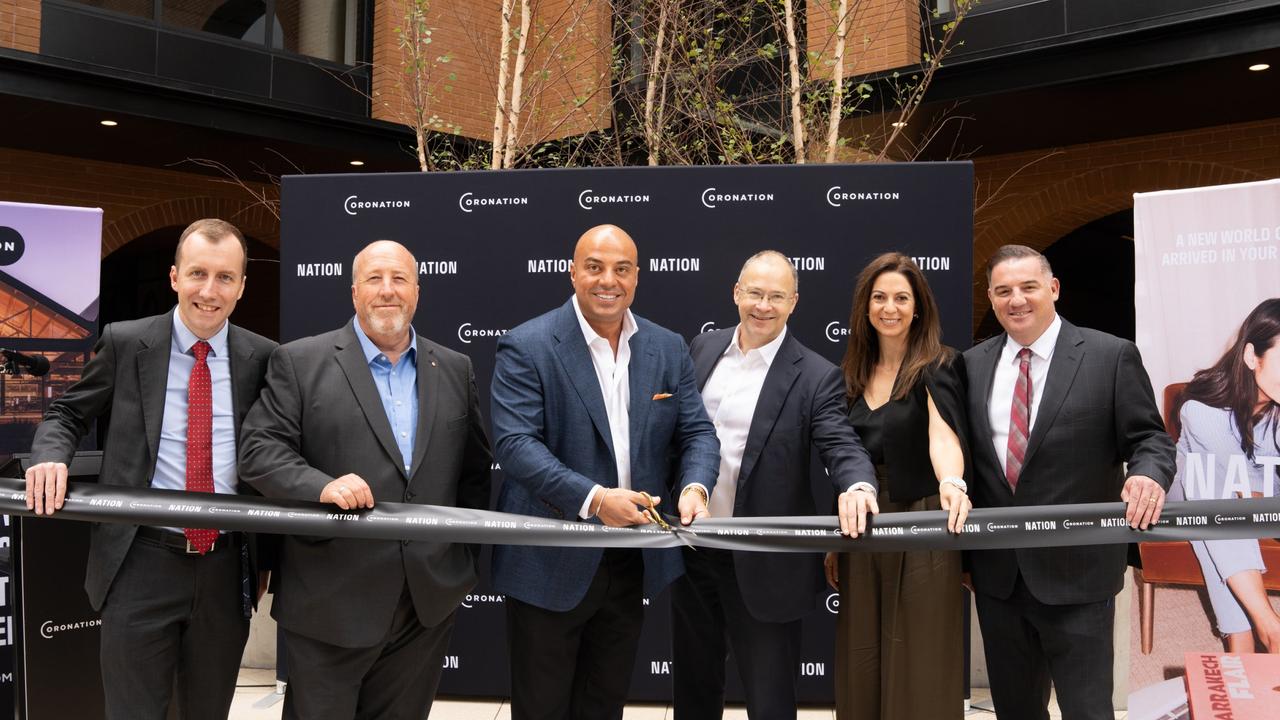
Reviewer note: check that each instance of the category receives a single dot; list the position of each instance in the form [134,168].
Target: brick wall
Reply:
[20,25]
[882,34]
[135,200]
[568,62]
[1034,198]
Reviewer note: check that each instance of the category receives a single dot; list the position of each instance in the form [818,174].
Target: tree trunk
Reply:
[797,115]
[504,61]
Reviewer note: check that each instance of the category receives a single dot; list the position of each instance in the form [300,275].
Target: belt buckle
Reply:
[191,550]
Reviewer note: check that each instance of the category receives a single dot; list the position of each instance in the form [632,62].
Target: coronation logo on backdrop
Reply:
[468,332]
[49,628]
[837,196]
[713,198]
[353,204]
[835,331]
[469,201]
[587,199]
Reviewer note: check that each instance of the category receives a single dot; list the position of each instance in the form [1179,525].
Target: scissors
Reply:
[654,516]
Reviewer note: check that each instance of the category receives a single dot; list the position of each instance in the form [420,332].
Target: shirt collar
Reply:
[628,325]
[371,351]
[1043,346]
[768,351]
[186,339]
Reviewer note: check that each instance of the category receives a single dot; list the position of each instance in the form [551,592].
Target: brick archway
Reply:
[1040,218]
[253,219]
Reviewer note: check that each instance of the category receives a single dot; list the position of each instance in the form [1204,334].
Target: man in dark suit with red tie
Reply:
[1057,415]
[175,602]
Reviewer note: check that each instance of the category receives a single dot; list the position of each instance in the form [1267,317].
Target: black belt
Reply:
[177,542]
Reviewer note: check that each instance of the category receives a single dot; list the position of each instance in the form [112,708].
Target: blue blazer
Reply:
[552,439]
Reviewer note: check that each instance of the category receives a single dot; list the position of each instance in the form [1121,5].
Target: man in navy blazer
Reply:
[592,408]
[773,402]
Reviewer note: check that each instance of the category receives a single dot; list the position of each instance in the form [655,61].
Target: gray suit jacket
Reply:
[125,382]
[1097,412]
[321,417]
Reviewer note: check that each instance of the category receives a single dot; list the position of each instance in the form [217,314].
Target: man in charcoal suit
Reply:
[1057,415]
[173,388]
[371,411]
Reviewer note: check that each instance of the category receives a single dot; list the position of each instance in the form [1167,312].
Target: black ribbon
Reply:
[986,528]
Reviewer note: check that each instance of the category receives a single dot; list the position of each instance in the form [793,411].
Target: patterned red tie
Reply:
[200,441]
[1019,420]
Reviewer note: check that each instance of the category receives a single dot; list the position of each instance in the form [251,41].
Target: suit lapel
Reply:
[243,385]
[708,356]
[428,401]
[575,360]
[153,380]
[642,383]
[352,361]
[1067,354]
[985,371]
[773,394]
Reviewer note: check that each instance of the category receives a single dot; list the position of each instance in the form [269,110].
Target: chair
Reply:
[1175,563]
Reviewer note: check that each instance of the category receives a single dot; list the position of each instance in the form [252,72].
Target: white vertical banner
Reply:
[1205,257]
[1207,300]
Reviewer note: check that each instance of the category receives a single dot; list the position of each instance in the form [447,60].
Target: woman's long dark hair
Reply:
[1229,384]
[924,338]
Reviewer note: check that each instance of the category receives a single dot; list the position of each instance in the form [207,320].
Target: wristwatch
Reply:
[958,482]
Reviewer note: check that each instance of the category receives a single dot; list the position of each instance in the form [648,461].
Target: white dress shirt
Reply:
[612,374]
[730,397]
[1006,378]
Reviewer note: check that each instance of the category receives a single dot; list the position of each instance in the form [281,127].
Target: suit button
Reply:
[408,496]
[405,543]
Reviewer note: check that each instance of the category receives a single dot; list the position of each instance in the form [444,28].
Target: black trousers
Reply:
[1028,644]
[173,623]
[393,680]
[708,620]
[577,665]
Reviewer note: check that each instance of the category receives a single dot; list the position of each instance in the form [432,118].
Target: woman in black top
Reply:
[899,637]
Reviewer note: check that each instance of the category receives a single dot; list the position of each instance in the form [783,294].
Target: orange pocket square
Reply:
[661,396]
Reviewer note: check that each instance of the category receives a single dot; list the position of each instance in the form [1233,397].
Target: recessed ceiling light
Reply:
[1259,67]
[357,163]
[108,123]
[899,124]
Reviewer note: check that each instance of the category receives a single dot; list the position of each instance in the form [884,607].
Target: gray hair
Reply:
[774,254]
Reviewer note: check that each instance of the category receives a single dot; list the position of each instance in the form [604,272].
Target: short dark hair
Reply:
[1005,253]
[213,230]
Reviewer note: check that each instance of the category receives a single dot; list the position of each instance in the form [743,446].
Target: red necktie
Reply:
[1019,420]
[200,440]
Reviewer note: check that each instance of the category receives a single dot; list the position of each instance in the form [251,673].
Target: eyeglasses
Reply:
[775,298]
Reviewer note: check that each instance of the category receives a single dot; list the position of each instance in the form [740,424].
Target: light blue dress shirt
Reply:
[171,460]
[398,387]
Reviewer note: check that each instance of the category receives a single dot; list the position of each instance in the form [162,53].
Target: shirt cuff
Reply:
[862,486]
[585,511]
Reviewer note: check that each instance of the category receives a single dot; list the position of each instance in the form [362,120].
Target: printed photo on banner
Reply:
[49,258]
[1207,297]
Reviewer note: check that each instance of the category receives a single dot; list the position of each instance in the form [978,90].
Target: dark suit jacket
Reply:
[1096,413]
[126,380]
[552,438]
[801,409]
[320,417]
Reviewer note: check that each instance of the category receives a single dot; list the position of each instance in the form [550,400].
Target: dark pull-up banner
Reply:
[991,528]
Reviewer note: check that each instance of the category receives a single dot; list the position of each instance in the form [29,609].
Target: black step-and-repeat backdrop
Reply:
[494,248]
